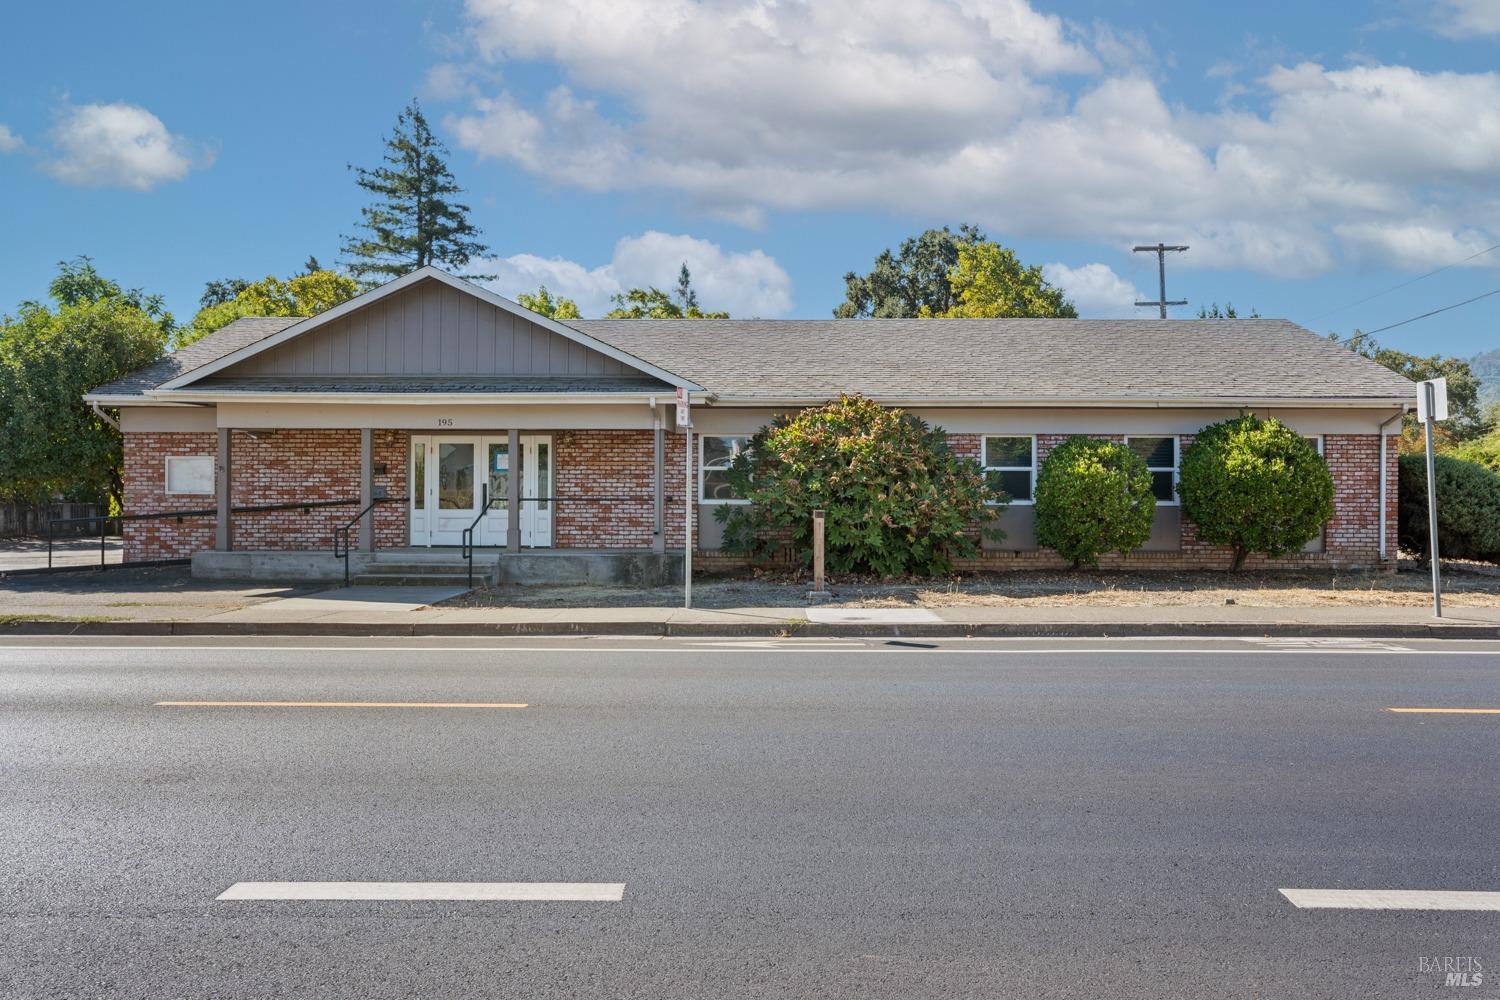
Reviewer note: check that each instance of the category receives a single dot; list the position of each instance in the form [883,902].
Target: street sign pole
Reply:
[1430,411]
[685,421]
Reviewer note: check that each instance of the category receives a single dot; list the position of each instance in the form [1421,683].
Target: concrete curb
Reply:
[940,630]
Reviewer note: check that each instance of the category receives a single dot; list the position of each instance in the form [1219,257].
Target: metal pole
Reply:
[687,520]
[48,512]
[103,527]
[818,516]
[1432,518]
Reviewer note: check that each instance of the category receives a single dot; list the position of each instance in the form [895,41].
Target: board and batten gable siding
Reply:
[431,329]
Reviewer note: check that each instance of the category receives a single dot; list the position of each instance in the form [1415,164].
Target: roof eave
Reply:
[1090,402]
[409,398]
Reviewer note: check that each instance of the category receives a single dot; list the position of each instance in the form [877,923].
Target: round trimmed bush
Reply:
[1255,486]
[897,500]
[1468,499]
[1093,497]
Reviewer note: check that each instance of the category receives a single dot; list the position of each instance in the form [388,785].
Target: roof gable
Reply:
[427,324]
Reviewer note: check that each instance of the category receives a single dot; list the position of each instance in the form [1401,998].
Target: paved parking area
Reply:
[31,553]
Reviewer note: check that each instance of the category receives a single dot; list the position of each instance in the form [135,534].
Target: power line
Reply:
[1403,284]
[1492,291]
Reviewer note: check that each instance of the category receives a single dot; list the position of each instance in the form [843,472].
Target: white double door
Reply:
[452,477]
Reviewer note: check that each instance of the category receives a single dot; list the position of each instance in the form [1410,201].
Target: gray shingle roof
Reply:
[243,331]
[1024,360]
[1004,359]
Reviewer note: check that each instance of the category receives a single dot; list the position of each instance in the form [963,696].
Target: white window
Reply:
[1010,466]
[715,455]
[1160,455]
[1320,543]
[190,474]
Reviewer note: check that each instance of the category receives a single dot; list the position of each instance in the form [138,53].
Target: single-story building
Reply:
[429,406]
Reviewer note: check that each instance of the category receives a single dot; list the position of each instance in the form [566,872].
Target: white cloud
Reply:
[119,145]
[954,110]
[1462,18]
[745,284]
[9,141]
[1096,290]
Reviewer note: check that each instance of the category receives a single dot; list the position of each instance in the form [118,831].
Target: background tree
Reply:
[1093,497]
[1256,486]
[911,282]
[1467,419]
[653,303]
[300,295]
[216,293]
[93,333]
[897,499]
[543,302]
[1468,500]
[415,222]
[990,282]
[686,296]
[1228,312]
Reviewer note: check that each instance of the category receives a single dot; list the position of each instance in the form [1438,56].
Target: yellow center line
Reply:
[1446,711]
[342,704]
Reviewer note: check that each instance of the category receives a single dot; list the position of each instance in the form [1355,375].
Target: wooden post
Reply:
[820,585]
[223,479]
[366,488]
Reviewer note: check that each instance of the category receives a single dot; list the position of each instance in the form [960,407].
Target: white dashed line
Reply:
[1391,899]
[531,892]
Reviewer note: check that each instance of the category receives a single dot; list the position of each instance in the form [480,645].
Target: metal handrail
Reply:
[160,515]
[466,540]
[341,532]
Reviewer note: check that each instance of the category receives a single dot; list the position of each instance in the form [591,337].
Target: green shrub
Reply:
[898,501]
[1093,497]
[1485,451]
[1468,500]
[1256,486]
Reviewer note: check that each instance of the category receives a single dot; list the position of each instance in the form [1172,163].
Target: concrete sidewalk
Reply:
[169,602]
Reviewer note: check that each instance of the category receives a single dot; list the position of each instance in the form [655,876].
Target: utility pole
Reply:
[1161,250]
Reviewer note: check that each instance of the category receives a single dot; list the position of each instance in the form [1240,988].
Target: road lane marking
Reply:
[1445,711]
[1391,899]
[342,704]
[1301,643]
[584,892]
[876,644]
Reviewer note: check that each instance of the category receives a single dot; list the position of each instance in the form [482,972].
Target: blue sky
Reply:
[1312,154]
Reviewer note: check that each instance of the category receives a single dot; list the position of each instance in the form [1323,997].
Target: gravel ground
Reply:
[1463,586]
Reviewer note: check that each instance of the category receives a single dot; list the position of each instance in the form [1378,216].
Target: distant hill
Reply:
[1487,369]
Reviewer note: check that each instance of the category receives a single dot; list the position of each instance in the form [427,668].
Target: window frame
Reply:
[1176,469]
[166,476]
[984,454]
[742,445]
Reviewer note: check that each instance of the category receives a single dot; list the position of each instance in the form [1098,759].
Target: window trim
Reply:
[166,476]
[1176,470]
[984,456]
[738,450]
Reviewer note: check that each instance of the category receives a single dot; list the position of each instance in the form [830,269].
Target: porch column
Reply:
[224,519]
[366,488]
[658,486]
[513,491]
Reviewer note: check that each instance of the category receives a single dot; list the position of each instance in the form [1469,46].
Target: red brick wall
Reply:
[604,482]
[145,492]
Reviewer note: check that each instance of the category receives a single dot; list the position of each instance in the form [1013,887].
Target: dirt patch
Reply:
[1463,586]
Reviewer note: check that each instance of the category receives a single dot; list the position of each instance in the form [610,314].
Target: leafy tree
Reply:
[1256,486]
[1093,497]
[1483,451]
[910,283]
[1228,312]
[49,357]
[1466,419]
[543,302]
[414,222]
[79,283]
[216,293]
[1468,500]
[653,303]
[989,282]
[897,499]
[301,295]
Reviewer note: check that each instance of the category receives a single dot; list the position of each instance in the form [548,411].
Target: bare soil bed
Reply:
[1464,585]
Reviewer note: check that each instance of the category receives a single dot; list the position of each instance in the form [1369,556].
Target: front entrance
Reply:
[454,477]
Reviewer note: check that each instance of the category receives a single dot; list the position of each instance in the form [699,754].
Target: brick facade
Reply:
[603,484]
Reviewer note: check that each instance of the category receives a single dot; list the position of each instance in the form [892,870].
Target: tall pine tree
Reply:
[413,223]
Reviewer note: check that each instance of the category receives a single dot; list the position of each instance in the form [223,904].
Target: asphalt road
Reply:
[866,819]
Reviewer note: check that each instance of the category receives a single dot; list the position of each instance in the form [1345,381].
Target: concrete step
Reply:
[424,579]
